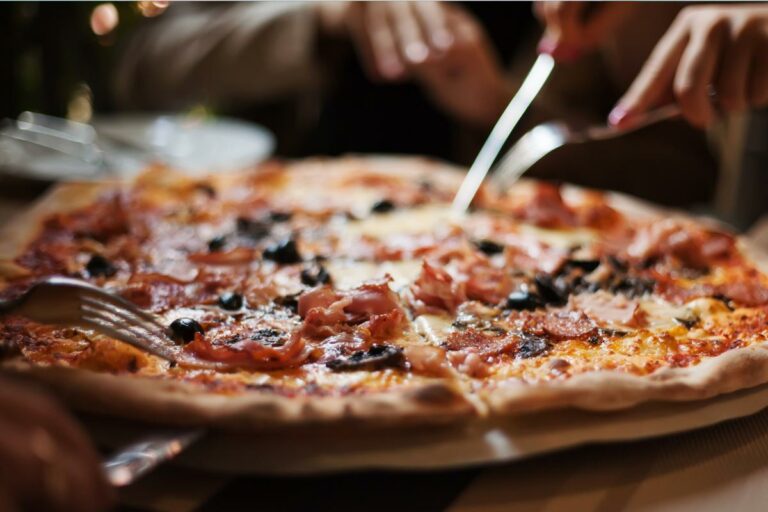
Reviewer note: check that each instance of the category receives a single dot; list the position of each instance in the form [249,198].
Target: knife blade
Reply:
[531,86]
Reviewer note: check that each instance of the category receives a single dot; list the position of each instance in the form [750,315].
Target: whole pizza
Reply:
[336,290]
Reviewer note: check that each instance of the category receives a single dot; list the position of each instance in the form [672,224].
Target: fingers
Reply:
[434,23]
[383,44]
[653,84]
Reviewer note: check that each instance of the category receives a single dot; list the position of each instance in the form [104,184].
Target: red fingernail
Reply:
[618,115]
[547,45]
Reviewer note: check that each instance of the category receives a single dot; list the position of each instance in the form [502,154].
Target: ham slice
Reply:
[609,310]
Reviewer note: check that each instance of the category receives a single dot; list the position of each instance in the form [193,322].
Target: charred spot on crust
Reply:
[184,329]
[489,247]
[284,251]
[383,206]
[314,275]
[532,346]
[99,266]
[269,337]
[217,243]
[250,228]
[375,358]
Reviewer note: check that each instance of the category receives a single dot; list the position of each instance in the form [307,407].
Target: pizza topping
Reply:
[185,329]
[270,337]
[377,357]
[524,298]
[279,216]
[610,310]
[547,208]
[231,301]
[489,247]
[253,229]
[217,243]
[383,206]
[99,266]
[529,345]
[284,251]
[436,289]
[566,324]
[314,275]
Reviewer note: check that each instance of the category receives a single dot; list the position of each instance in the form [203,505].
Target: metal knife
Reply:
[531,86]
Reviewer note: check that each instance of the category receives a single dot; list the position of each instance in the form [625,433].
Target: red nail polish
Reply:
[547,45]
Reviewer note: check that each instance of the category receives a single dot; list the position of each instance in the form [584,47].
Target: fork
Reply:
[67,301]
[547,137]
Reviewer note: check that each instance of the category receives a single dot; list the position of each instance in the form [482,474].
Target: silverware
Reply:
[66,301]
[547,137]
[125,466]
[531,86]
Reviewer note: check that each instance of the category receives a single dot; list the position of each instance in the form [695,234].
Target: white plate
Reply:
[130,142]
[329,449]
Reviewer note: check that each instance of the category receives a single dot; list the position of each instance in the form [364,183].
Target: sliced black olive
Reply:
[585,265]
[231,301]
[375,358]
[269,337]
[532,346]
[290,302]
[98,266]
[383,206]
[523,299]
[184,329]
[632,286]
[724,299]
[283,252]
[594,340]
[689,322]
[207,189]
[280,216]
[489,247]
[315,275]
[549,291]
[217,243]
[250,228]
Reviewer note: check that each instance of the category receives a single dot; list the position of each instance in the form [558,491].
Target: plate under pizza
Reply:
[342,292]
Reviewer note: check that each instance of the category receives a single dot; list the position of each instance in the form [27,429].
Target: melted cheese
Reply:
[411,221]
[350,274]
[560,238]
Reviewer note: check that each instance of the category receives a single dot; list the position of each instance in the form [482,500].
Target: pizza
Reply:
[338,290]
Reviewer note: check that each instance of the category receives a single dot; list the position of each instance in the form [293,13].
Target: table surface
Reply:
[717,468]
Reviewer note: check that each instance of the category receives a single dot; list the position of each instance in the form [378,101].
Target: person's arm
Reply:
[220,52]
[48,462]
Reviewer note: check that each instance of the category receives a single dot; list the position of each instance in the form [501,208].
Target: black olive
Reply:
[523,299]
[549,291]
[531,346]
[585,265]
[315,275]
[383,206]
[375,358]
[290,302]
[489,247]
[184,329]
[217,243]
[632,286]
[280,216]
[207,189]
[254,229]
[231,301]
[283,252]
[98,265]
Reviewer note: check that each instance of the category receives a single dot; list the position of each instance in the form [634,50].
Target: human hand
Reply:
[437,44]
[720,49]
[573,28]
[48,462]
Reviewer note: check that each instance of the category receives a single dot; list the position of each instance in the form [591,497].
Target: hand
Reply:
[574,28]
[48,462]
[719,49]
[436,44]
